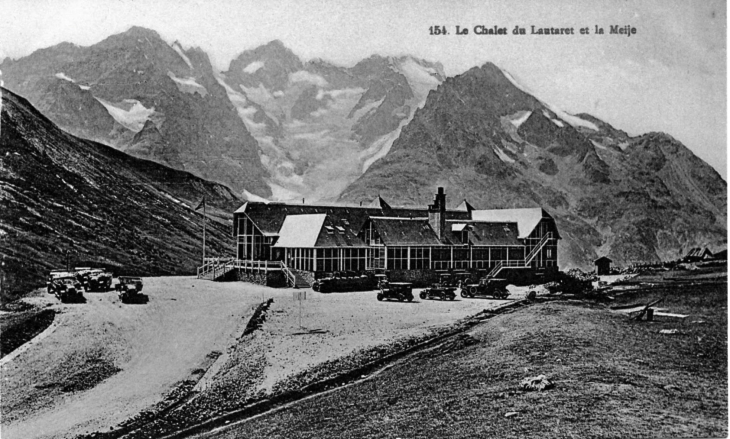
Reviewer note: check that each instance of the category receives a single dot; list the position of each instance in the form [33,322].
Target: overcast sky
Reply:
[669,76]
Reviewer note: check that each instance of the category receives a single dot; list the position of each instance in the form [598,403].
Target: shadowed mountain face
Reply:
[67,196]
[484,138]
[133,82]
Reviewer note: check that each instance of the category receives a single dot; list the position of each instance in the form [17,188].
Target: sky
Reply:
[670,75]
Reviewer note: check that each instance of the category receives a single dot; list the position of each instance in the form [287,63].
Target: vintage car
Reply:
[486,286]
[94,279]
[128,288]
[395,290]
[442,290]
[345,281]
[66,288]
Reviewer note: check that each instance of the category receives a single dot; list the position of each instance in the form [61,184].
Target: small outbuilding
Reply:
[698,254]
[603,265]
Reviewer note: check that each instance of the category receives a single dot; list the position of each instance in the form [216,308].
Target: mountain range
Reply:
[277,127]
[485,138]
[69,200]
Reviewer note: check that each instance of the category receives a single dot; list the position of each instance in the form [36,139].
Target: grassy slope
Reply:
[614,378]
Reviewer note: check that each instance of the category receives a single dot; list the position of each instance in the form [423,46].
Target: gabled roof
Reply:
[300,230]
[465,206]
[484,233]
[526,219]
[405,231]
[269,217]
[603,258]
[380,203]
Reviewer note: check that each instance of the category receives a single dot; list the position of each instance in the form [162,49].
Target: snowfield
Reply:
[133,117]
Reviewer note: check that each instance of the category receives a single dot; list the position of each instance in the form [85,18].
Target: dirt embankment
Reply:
[614,377]
[18,326]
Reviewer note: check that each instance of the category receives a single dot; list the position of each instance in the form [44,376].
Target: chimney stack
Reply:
[437,213]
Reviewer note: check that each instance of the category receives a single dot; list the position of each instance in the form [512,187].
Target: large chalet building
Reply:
[326,239]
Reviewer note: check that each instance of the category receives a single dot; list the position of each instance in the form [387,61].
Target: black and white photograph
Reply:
[363,219]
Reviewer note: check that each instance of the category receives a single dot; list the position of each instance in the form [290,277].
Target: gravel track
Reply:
[157,345]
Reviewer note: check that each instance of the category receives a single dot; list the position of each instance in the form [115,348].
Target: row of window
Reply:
[357,259]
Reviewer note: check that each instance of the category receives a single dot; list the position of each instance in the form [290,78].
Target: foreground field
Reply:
[102,363]
[613,378]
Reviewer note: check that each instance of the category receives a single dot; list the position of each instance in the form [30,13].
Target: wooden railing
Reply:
[216,267]
[521,263]
[291,279]
[538,247]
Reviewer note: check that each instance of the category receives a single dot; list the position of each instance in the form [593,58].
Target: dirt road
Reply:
[155,345]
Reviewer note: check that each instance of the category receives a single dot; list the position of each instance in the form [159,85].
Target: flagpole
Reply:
[204,221]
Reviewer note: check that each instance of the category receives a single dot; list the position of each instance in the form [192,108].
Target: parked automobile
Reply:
[66,288]
[442,290]
[94,279]
[395,290]
[494,287]
[128,288]
[345,281]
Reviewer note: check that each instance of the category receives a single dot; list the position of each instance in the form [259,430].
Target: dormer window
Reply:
[340,229]
[329,229]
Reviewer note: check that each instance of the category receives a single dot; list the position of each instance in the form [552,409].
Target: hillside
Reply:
[484,138]
[67,197]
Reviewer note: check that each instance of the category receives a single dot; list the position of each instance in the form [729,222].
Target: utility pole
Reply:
[202,204]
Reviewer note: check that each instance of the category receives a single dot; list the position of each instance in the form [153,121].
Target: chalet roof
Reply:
[269,217]
[603,258]
[484,233]
[526,219]
[465,206]
[405,231]
[300,230]
[338,232]
[379,202]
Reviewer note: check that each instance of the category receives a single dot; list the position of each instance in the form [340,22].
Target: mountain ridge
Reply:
[482,137]
[66,197]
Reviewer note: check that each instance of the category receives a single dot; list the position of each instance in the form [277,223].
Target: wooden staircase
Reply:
[521,263]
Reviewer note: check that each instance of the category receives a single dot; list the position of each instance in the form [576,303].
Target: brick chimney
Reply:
[437,213]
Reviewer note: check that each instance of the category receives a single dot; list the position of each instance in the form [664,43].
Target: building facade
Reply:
[327,239]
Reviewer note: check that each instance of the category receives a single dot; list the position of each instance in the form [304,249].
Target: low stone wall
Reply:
[275,279]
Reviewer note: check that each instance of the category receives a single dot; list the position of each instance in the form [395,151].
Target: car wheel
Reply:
[410,298]
[531,295]
[380,297]
[453,296]
[422,295]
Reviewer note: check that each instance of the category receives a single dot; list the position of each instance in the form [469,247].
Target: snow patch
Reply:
[251,197]
[558,123]
[61,75]
[304,76]
[188,85]
[520,119]
[253,67]
[133,118]
[178,49]
[84,87]
[598,145]
[572,120]
[503,156]
[278,93]
[280,193]
[569,118]
[416,73]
